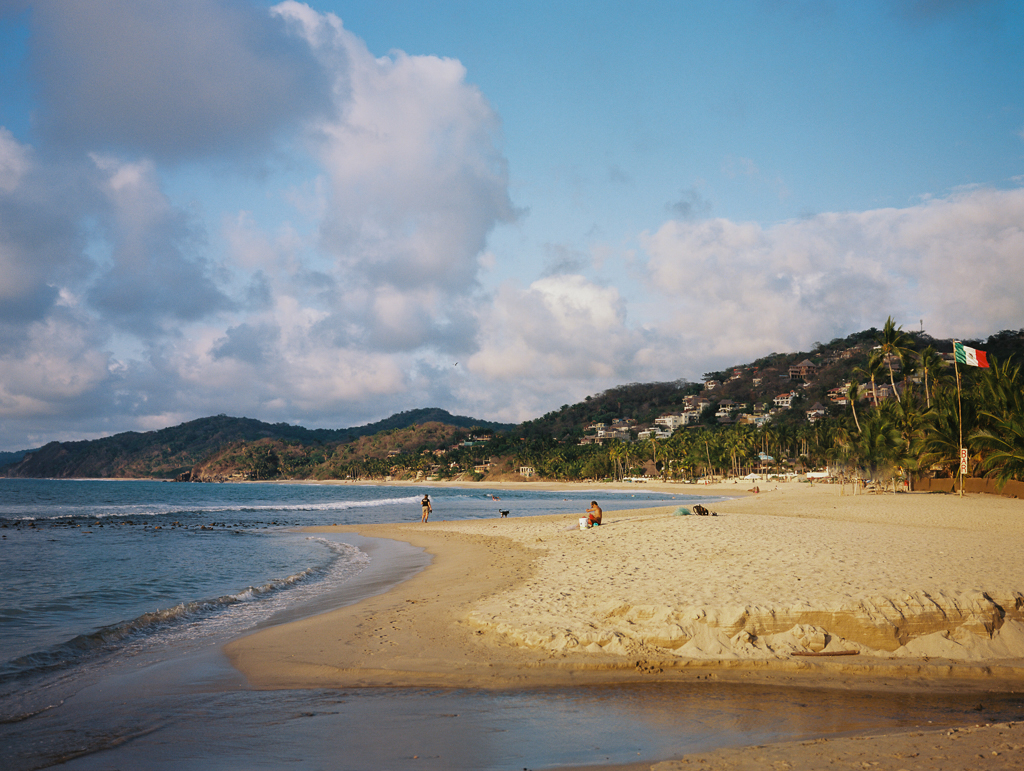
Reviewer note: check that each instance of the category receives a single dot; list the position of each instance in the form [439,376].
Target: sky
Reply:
[327,213]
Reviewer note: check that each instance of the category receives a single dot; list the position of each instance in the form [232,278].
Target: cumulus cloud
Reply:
[740,289]
[59,369]
[156,273]
[559,327]
[417,178]
[169,80]
[40,242]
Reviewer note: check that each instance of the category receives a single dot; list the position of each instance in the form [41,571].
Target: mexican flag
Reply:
[969,356]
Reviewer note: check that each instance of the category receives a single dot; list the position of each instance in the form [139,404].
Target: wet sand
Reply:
[914,591]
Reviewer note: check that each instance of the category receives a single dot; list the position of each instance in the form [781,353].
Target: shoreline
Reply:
[495,609]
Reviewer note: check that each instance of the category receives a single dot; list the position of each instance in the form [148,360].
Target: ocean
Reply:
[115,597]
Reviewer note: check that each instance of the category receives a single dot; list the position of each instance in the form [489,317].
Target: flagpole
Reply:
[972,357]
[959,421]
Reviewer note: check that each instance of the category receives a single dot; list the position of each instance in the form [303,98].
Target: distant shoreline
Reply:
[677,488]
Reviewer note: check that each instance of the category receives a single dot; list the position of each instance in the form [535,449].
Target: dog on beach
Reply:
[503,512]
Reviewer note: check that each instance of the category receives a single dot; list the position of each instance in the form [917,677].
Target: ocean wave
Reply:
[347,560]
[143,510]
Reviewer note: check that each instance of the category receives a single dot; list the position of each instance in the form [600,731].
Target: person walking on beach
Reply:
[594,513]
[425,503]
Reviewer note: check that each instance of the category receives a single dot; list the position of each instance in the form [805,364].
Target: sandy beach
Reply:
[797,585]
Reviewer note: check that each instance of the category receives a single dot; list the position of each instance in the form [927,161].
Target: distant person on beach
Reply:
[594,513]
[425,503]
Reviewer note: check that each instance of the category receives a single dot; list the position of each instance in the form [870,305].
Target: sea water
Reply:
[115,597]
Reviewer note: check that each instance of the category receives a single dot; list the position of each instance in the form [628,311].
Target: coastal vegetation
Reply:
[882,405]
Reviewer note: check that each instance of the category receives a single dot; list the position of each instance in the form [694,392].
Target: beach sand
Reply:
[907,591]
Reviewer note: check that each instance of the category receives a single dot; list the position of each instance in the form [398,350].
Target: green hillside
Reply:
[737,416]
[169,452]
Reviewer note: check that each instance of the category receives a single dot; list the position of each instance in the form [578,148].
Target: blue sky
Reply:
[325,213]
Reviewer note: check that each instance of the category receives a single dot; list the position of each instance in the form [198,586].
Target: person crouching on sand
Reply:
[425,503]
[594,513]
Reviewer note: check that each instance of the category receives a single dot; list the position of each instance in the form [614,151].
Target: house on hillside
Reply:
[884,391]
[784,401]
[815,412]
[837,395]
[805,370]
[671,422]
[696,402]
[604,435]
[656,433]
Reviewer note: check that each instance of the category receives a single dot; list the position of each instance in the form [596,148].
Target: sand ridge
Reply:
[799,569]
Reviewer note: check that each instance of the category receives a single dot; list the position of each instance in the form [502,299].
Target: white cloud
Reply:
[40,246]
[158,274]
[739,290]
[57,371]
[559,328]
[417,179]
[14,161]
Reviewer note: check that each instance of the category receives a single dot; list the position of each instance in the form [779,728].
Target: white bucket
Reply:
[583,523]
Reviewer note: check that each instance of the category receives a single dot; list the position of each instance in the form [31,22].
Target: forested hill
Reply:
[170,451]
[223,440]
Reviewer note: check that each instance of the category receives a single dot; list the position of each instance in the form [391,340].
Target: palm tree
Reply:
[653,441]
[941,443]
[852,391]
[878,447]
[892,342]
[743,443]
[911,423]
[1002,435]
[872,370]
[680,449]
[909,375]
[1005,448]
[999,389]
[930,363]
[617,453]
[843,456]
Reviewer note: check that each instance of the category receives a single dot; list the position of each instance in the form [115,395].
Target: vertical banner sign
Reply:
[963,461]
